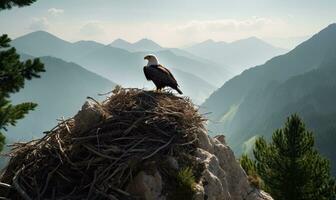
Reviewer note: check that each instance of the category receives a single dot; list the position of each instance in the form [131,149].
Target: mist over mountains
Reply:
[239,55]
[115,63]
[302,81]
[121,57]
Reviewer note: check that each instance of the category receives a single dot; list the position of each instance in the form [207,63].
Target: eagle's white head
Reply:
[152,60]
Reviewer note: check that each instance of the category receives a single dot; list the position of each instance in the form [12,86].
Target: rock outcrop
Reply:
[223,177]
[135,145]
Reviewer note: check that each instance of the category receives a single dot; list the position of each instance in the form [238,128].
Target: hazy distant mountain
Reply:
[123,44]
[41,43]
[239,55]
[115,64]
[80,48]
[60,91]
[301,81]
[287,42]
[122,66]
[141,45]
[193,86]
[149,46]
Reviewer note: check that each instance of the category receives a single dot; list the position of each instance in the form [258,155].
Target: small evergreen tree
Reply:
[13,74]
[247,164]
[291,167]
[249,167]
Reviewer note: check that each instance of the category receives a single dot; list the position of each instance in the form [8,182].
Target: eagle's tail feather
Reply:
[178,90]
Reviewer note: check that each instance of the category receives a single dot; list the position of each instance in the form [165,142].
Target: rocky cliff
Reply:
[135,145]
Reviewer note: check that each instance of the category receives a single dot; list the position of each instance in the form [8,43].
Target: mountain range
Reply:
[41,43]
[141,45]
[258,101]
[238,55]
[146,45]
[125,67]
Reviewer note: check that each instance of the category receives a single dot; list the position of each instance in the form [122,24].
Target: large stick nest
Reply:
[98,161]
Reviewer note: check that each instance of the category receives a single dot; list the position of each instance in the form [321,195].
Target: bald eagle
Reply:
[160,75]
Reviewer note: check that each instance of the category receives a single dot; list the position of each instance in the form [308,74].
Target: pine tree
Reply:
[291,167]
[13,74]
[8,4]
[247,164]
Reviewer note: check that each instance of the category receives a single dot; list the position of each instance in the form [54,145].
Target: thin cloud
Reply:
[55,11]
[253,23]
[92,29]
[231,29]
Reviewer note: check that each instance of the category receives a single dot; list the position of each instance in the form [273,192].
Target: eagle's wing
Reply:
[165,70]
[147,73]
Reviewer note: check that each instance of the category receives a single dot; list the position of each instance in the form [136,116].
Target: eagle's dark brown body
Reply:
[161,77]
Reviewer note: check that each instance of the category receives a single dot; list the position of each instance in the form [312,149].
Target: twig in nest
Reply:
[157,150]
[107,196]
[5,185]
[17,187]
[50,174]
[57,126]
[127,131]
[103,94]
[66,125]
[61,175]
[97,102]
[98,153]
[188,143]
[92,184]
[97,136]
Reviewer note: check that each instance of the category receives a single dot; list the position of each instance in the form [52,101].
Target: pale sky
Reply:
[172,23]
